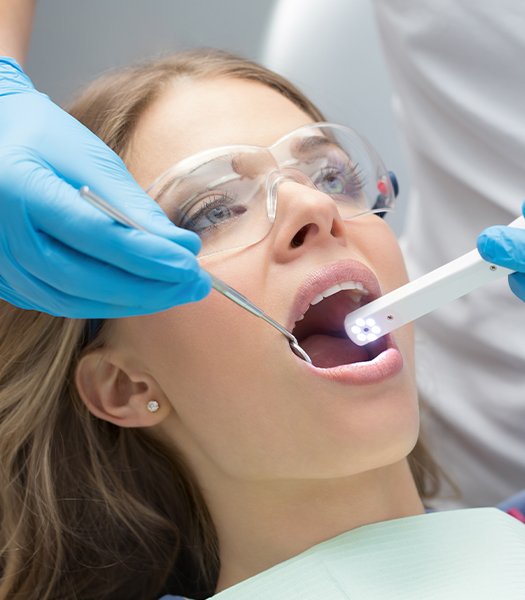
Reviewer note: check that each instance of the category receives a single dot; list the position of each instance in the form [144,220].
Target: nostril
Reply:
[298,238]
[337,229]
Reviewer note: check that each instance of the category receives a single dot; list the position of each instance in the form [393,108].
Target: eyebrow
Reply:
[190,171]
[314,142]
[184,175]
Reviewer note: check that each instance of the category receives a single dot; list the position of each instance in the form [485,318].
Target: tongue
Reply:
[328,351]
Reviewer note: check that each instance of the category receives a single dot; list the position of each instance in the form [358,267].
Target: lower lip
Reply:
[382,367]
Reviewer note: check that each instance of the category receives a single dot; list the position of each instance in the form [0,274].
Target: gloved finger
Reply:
[77,224]
[63,304]
[66,270]
[9,295]
[13,78]
[517,285]
[59,304]
[504,246]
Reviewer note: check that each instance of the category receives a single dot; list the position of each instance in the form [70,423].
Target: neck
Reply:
[261,524]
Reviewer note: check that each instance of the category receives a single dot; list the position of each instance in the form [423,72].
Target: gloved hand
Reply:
[59,254]
[505,246]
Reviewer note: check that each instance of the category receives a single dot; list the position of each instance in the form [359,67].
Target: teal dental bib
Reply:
[455,555]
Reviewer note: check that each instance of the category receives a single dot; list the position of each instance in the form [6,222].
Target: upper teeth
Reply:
[358,288]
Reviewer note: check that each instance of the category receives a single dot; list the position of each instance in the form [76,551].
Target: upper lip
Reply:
[327,276]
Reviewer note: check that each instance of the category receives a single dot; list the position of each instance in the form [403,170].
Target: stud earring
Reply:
[153,406]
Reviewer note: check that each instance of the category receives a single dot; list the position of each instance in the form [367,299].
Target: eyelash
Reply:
[357,178]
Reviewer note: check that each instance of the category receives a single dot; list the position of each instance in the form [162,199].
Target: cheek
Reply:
[190,346]
[204,357]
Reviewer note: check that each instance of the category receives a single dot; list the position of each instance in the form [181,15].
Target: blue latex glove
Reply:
[505,246]
[59,254]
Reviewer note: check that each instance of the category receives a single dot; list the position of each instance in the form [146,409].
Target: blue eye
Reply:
[331,182]
[212,212]
[340,180]
[216,214]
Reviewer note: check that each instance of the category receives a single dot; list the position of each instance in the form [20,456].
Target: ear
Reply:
[115,393]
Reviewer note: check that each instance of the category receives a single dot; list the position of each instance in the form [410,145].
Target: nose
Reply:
[305,218]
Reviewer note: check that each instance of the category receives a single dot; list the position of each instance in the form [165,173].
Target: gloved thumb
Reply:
[504,246]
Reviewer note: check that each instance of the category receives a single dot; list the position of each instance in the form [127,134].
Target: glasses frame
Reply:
[384,179]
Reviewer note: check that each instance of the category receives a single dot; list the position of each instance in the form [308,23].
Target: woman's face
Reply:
[244,406]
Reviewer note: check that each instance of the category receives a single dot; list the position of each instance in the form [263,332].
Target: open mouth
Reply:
[321,333]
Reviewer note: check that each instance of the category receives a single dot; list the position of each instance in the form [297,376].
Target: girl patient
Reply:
[187,451]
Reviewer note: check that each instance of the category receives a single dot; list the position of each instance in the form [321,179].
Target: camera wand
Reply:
[423,295]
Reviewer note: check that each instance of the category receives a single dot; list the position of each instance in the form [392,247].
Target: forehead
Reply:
[194,115]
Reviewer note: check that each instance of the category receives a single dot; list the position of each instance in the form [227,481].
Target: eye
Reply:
[330,181]
[340,180]
[216,214]
[211,212]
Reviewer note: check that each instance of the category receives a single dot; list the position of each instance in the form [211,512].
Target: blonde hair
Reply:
[88,509]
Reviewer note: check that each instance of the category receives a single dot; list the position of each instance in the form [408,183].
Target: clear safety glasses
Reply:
[228,195]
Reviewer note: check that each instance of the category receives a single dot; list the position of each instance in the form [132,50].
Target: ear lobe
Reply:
[114,394]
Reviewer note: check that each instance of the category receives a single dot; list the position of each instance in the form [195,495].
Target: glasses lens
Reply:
[222,200]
